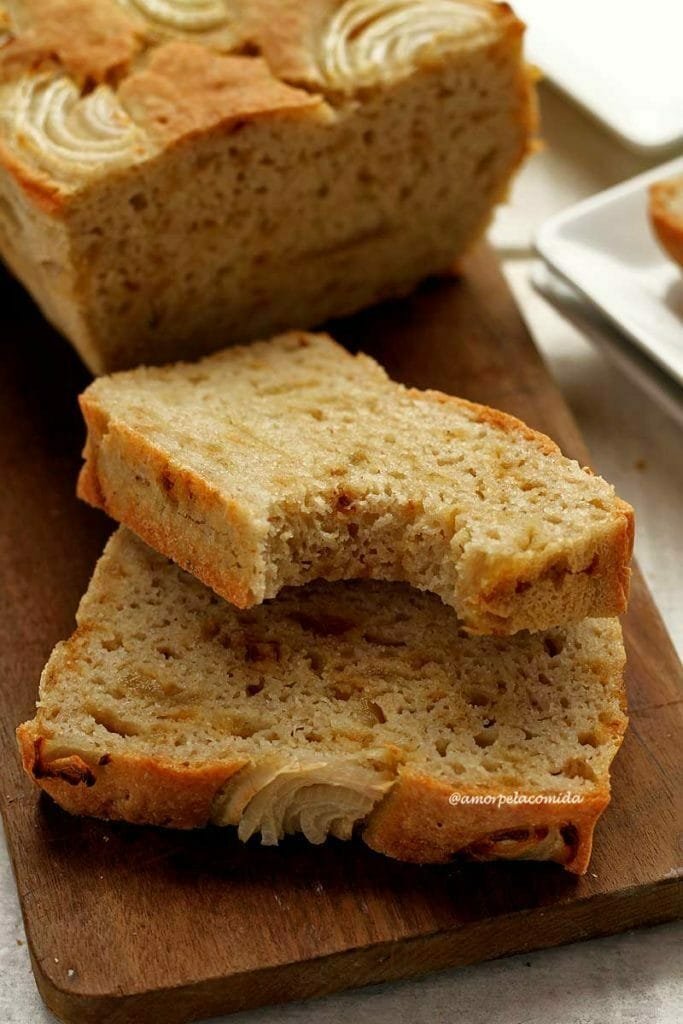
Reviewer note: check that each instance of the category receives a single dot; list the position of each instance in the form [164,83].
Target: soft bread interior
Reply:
[319,704]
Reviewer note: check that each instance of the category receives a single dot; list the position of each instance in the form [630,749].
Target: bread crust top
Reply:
[341,46]
[90,87]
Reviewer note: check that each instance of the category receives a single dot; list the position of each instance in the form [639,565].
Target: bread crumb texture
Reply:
[168,168]
[335,708]
[278,463]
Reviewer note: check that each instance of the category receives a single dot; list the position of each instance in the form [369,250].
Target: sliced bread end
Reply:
[337,708]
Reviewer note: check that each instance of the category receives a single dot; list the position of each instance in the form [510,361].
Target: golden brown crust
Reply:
[494,417]
[95,487]
[39,189]
[598,587]
[290,34]
[417,822]
[666,215]
[181,88]
[285,32]
[230,587]
[607,570]
[185,89]
[124,787]
[92,40]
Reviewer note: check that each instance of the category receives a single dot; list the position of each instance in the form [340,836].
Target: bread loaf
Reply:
[285,461]
[336,707]
[177,176]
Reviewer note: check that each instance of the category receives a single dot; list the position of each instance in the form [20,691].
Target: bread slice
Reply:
[175,176]
[331,707]
[290,460]
[666,215]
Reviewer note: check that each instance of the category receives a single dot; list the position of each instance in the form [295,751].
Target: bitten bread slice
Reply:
[291,460]
[333,706]
[666,214]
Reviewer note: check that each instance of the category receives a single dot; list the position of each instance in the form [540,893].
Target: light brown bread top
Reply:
[334,707]
[285,461]
[90,87]
[341,46]
[666,215]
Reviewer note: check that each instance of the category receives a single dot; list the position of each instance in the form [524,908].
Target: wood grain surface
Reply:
[141,925]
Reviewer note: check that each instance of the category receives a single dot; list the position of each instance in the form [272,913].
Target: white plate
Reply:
[604,246]
[640,370]
[620,59]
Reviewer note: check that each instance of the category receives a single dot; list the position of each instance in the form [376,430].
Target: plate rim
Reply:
[549,235]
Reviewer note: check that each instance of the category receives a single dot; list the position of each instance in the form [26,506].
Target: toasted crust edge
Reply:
[610,588]
[54,197]
[667,225]
[590,594]
[37,187]
[415,822]
[199,558]
[140,790]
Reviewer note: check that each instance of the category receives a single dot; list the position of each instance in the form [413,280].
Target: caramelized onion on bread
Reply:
[179,175]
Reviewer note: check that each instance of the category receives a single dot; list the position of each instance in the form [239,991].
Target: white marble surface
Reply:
[626,979]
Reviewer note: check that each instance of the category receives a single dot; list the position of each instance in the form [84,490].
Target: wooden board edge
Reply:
[384,962]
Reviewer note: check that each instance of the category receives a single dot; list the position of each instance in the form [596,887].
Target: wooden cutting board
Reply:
[131,924]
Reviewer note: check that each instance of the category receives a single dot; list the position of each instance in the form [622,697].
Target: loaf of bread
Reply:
[334,707]
[281,462]
[666,215]
[178,176]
